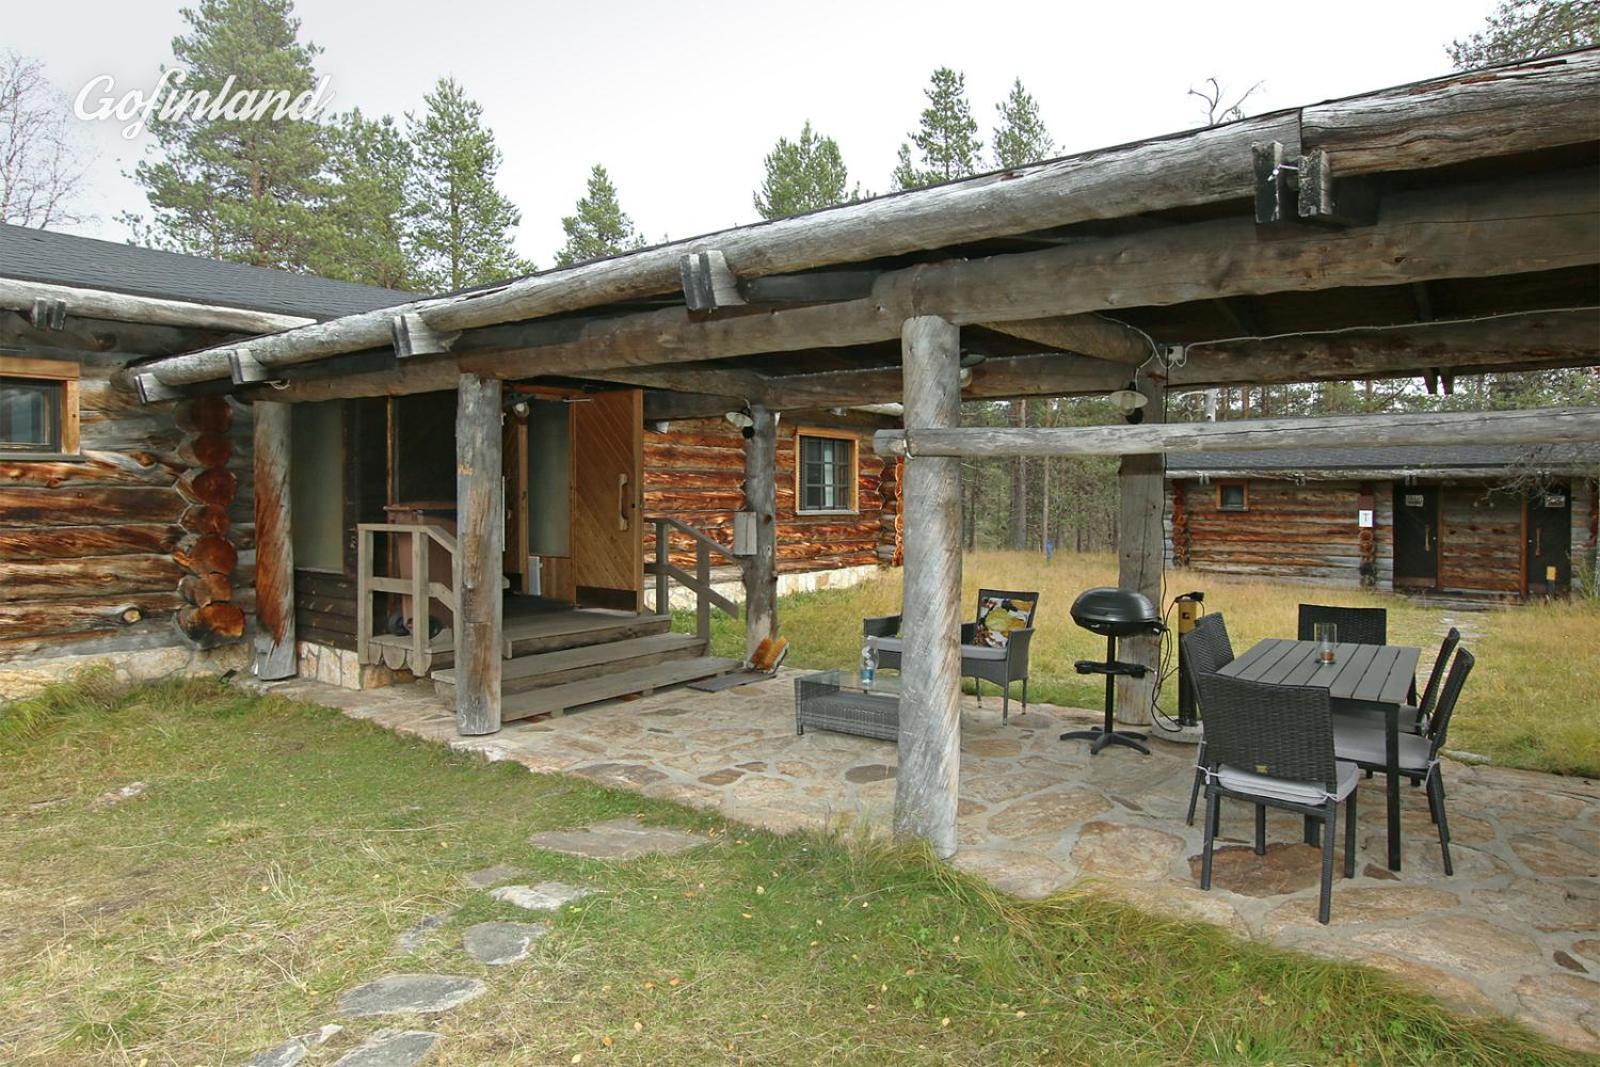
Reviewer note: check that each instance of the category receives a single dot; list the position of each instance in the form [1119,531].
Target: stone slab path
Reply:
[409,994]
[618,839]
[1516,931]
[498,943]
[546,896]
[390,1048]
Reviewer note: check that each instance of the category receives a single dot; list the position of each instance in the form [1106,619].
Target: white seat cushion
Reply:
[1262,785]
[896,644]
[1365,744]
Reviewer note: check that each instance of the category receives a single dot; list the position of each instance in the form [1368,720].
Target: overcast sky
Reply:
[681,101]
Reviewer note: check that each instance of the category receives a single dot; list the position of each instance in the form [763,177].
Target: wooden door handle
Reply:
[1538,542]
[622,502]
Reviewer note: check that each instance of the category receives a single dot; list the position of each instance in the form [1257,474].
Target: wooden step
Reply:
[535,634]
[586,661]
[556,699]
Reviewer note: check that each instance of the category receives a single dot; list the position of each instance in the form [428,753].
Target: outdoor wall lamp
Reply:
[742,421]
[1130,402]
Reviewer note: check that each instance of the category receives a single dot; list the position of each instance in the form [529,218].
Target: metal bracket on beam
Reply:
[708,282]
[152,390]
[247,370]
[48,314]
[1303,190]
[414,337]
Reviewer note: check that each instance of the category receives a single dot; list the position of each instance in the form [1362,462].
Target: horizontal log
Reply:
[206,519]
[207,450]
[1204,166]
[208,555]
[1539,426]
[203,589]
[72,542]
[213,625]
[125,307]
[90,469]
[203,414]
[110,504]
[98,576]
[213,486]
[38,618]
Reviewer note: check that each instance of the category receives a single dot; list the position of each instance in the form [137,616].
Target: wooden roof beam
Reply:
[1504,227]
[1087,335]
[1517,108]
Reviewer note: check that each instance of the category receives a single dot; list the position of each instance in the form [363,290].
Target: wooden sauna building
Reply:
[1490,522]
[129,530]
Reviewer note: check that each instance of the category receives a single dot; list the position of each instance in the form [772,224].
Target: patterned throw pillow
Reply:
[997,617]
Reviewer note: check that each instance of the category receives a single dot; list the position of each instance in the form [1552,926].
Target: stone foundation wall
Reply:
[793,582]
[18,680]
[340,667]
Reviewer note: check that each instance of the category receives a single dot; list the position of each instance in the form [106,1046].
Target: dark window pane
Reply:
[1230,497]
[425,448]
[30,415]
[825,473]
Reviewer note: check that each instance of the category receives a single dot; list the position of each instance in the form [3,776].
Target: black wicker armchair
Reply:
[1272,746]
[1206,650]
[1365,747]
[1002,663]
[1357,626]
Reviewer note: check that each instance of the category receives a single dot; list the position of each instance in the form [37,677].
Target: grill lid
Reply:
[1115,612]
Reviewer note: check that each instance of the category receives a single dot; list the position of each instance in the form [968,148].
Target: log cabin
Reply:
[128,531]
[1474,522]
[1438,228]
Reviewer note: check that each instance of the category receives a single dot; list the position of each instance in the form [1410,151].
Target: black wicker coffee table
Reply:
[840,701]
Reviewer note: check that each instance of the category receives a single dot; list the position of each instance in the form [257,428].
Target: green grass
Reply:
[1530,702]
[280,848]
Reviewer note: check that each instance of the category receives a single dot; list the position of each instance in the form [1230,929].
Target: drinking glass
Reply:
[1326,634]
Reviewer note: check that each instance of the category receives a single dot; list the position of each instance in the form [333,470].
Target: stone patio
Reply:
[1516,930]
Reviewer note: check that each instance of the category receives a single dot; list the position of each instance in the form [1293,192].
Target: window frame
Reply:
[854,441]
[52,372]
[1244,495]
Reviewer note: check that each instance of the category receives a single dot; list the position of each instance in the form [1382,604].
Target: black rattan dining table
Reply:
[1360,678]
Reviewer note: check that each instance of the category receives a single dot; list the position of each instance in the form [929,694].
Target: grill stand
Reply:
[1100,737]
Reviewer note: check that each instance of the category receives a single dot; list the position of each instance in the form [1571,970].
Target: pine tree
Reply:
[600,227]
[1020,138]
[461,223]
[1520,29]
[947,140]
[370,162]
[802,176]
[242,188]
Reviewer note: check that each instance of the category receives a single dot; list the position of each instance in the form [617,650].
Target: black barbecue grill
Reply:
[1113,613]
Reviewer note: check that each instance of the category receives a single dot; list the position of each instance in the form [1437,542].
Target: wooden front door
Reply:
[1549,541]
[607,499]
[1416,536]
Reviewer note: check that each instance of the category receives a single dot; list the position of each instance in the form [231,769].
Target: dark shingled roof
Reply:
[1443,458]
[65,259]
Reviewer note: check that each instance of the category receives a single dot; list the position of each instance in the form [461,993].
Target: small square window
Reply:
[1231,496]
[38,407]
[825,473]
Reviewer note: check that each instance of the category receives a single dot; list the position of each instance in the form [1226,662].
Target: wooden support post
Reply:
[1141,556]
[663,579]
[702,603]
[761,498]
[274,642]
[930,702]
[480,544]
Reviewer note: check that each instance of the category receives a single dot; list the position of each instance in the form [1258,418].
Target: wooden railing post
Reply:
[930,703]
[421,603]
[663,579]
[702,599]
[480,503]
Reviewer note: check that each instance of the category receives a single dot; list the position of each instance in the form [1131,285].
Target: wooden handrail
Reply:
[419,586]
[700,582]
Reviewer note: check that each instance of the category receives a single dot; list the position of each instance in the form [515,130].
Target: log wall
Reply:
[693,474]
[145,540]
[1305,533]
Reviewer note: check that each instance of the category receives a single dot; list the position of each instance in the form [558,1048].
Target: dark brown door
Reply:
[1549,546]
[607,466]
[1416,536]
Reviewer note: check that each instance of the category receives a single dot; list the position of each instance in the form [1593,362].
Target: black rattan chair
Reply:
[1206,650]
[981,663]
[1365,747]
[1413,717]
[1357,626]
[1272,746]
